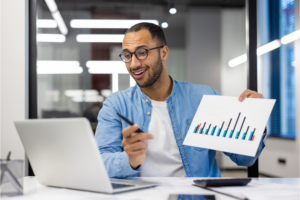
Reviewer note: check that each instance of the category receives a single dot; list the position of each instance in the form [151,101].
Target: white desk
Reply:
[34,191]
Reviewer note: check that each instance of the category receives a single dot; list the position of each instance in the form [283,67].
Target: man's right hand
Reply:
[135,145]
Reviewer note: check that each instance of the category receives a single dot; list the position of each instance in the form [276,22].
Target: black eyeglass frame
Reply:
[137,56]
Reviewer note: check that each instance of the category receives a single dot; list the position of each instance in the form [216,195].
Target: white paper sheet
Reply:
[229,125]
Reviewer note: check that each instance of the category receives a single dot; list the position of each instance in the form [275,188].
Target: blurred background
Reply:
[78,64]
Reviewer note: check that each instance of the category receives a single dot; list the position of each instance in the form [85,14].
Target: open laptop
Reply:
[63,153]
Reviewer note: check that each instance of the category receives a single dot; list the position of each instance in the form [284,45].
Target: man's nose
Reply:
[135,62]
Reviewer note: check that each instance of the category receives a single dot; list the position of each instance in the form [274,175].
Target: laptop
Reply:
[63,153]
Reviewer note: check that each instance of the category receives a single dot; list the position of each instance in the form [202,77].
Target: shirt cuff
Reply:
[125,166]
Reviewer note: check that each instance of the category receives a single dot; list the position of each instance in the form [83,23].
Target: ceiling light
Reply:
[74,93]
[60,22]
[97,98]
[172,11]
[238,60]
[51,5]
[59,70]
[108,23]
[290,37]
[105,63]
[103,38]
[46,23]
[50,38]
[57,16]
[164,24]
[58,67]
[268,47]
[63,63]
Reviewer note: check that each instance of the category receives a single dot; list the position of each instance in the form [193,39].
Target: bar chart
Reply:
[225,124]
[232,132]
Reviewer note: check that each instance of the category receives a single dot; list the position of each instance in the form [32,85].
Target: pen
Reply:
[129,122]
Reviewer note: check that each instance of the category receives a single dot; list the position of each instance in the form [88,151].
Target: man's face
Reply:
[145,72]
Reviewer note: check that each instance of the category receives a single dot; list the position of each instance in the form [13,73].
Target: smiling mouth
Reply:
[140,72]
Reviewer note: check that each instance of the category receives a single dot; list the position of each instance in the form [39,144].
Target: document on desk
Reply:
[225,124]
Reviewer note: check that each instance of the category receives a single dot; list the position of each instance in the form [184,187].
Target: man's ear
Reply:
[164,53]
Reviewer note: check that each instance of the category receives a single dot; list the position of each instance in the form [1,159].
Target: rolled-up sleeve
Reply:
[242,160]
[109,140]
[247,161]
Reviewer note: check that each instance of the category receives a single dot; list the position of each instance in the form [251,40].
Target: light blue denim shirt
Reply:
[136,106]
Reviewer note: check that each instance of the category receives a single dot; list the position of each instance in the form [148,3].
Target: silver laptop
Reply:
[63,153]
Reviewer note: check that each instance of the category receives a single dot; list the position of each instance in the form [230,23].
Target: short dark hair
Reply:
[155,31]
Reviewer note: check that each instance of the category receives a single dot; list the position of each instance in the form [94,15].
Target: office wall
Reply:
[233,44]
[203,46]
[278,148]
[213,37]
[12,81]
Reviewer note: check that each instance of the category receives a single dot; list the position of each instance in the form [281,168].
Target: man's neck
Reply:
[160,90]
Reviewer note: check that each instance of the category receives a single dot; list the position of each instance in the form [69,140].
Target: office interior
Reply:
[207,44]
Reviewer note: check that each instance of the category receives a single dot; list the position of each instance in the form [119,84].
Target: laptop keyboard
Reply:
[117,186]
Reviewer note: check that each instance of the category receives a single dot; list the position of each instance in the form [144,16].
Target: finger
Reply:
[127,132]
[245,94]
[138,137]
[253,96]
[135,147]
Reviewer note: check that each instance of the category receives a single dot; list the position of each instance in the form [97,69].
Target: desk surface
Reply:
[33,190]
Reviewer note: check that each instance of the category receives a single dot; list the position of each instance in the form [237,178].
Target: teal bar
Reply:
[195,129]
[200,130]
[212,131]
[219,132]
[206,131]
[224,133]
[237,135]
[251,136]
[230,133]
[244,136]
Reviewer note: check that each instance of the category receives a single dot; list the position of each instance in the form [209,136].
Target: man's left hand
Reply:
[250,94]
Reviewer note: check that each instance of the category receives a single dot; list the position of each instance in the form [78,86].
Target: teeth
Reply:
[137,73]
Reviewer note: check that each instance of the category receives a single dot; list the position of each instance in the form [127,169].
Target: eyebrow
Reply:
[136,48]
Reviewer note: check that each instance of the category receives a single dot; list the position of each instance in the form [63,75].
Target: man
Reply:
[163,108]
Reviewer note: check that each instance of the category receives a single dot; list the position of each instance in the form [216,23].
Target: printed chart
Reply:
[225,124]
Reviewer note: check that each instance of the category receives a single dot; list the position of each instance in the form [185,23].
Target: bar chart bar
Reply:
[220,129]
[195,131]
[238,133]
[244,136]
[232,131]
[206,132]
[224,135]
[252,135]
[198,128]
[202,129]
[213,130]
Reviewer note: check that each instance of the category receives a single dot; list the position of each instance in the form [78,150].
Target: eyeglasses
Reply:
[140,54]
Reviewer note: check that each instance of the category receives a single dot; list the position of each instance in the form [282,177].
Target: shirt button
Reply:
[147,100]
[148,113]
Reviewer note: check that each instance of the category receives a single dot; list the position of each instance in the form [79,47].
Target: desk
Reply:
[34,191]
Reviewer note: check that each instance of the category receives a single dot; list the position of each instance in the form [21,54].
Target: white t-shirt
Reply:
[163,157]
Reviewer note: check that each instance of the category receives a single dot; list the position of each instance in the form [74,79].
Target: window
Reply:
[281,74]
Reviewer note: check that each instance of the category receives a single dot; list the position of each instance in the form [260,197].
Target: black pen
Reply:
[129,122]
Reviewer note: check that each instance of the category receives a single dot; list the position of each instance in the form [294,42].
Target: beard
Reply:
[157,71]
